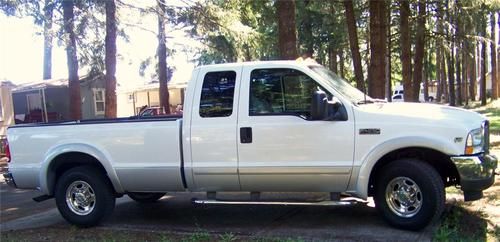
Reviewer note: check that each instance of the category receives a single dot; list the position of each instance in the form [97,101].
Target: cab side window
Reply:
[281,92]
[217,94]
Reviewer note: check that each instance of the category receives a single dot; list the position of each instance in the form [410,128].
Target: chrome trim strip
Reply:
[320,203]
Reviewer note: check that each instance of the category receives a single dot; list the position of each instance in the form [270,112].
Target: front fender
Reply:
[46,183]
[374,155]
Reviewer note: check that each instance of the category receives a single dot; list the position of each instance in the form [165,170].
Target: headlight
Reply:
[475,141]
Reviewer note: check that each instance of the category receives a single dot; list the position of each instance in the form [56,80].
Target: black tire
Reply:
[146,197]
[100,187]
[423,207]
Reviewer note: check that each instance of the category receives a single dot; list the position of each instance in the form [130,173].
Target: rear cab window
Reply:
[217,94]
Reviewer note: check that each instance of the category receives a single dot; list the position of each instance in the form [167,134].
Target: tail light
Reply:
[6,149]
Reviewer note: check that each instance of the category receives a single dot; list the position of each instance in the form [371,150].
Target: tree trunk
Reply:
[405,49]
[498,56]
[75,101]
[162,58]
[473,74]
[482,84]
[458,75]
[388,83]
[307,35]
[378,48]
[458,62]
[439,85]
[287,36]
[440,68]
[48,11]
[465,72]
[354,45]
[332,58]
[493,44]
[444,72]
[110,59]
[341,63]
[450,60]
[451,76]
[418,62]
[426,75]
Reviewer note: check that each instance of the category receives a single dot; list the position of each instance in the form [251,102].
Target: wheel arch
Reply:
[434,152]
[65,157]
[438,160]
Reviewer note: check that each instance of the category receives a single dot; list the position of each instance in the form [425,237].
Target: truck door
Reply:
[279,147]
[213,156]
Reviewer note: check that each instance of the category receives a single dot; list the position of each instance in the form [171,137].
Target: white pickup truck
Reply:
[278,126]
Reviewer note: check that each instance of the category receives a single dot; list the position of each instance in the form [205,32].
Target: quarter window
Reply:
[217,94]
[281,92]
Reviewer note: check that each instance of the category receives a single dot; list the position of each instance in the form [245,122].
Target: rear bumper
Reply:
[477,173]
[7,176]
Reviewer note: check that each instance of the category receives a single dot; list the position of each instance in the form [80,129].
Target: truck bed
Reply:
[138,154]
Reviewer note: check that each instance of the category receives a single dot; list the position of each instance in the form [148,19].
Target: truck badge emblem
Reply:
[369,131]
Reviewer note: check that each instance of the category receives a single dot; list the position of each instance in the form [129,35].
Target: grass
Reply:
[472,221]
[227,237]
[461,224]
[492,112]
[199,236]
[70,233]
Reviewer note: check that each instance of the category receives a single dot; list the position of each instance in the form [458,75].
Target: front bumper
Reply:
[476,174]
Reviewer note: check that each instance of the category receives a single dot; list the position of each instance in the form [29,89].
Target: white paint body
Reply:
[288,153]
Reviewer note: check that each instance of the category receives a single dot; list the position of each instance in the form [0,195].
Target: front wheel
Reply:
[409,194]
[145,197]
[84,196]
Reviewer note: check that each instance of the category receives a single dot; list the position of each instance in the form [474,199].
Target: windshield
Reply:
[340,85]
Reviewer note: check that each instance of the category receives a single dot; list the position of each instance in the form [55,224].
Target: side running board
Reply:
[320,203]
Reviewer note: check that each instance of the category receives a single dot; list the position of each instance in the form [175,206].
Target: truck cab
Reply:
[245,111]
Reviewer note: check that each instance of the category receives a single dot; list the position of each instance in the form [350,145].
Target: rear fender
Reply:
[47,179]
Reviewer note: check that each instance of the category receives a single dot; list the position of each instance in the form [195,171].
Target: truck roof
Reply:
[298,62]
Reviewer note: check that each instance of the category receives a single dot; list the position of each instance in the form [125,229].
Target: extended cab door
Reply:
[212,160]
[279,147]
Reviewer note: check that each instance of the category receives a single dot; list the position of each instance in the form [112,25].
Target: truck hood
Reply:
[423,112]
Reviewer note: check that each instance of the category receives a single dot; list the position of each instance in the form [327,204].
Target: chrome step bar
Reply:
[319,203]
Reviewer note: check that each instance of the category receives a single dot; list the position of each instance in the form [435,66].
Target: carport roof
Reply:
[51,83]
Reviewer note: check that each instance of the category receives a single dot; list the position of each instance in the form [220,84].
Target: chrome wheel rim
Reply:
[403,196]
[80,198]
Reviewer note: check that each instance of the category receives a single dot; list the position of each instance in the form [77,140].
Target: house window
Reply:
[99,100]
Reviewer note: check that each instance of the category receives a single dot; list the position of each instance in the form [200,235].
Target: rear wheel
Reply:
[409,194]
[145,197]
[84,196]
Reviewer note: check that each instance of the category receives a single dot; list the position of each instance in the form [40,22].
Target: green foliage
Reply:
[199,236]
[227,237]
[233,30]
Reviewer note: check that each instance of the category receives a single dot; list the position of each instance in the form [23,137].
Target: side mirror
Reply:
[318,105]
[323,109]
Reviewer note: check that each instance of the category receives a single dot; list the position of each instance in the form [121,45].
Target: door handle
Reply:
[246,135]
